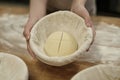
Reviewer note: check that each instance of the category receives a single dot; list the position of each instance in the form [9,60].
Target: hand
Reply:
[27,30]
[37,11]
[26,34]
[82,11]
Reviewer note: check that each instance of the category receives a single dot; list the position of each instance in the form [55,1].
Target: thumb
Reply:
[26,34]
[88,22]
[82,11]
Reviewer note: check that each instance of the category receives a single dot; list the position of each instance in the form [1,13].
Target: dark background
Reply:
[104,7]
[108,7]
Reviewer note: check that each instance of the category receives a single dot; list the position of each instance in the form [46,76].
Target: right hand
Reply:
[26,33]
[37,11]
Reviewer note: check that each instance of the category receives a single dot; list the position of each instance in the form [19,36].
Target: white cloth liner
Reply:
[106,48]
[65,21]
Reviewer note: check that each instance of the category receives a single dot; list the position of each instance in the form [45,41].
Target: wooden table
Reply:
[41,71]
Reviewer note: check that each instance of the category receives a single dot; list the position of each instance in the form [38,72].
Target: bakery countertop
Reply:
[41,71]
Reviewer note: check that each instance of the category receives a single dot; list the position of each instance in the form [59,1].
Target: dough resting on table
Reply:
[12,67]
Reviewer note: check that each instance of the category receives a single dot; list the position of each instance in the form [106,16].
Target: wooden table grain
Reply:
[41,71]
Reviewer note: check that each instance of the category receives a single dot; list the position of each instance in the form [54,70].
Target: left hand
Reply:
[82,11]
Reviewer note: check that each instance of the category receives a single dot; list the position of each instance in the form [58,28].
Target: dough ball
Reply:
[12,67]
[99,72]
[60,44]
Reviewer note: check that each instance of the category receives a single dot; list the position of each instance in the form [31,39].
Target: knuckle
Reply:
[26,34]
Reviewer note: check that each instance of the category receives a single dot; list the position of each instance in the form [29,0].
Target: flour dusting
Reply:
[11,32]
[106,48]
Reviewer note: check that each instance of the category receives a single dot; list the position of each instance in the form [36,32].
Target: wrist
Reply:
[31,21]
[76,5]
[34,18]
[81,11]
[79,2]
[77,8]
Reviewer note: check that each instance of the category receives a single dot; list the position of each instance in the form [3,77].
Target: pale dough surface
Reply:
[60,44]
[99,72]
[12,67]
[106,48]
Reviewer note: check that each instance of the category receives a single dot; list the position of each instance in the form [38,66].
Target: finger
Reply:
[94,33]
[88,48]
[26,34]
[30,51]
[27,30]
[88,22]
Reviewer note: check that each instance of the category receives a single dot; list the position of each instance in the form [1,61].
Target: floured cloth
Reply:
[106,47]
